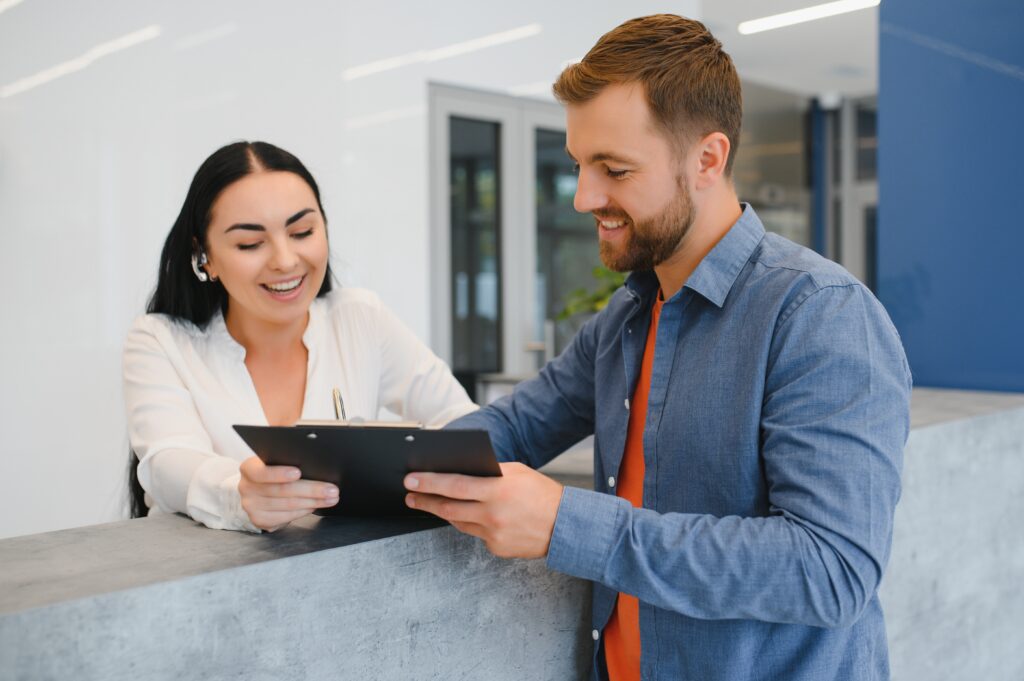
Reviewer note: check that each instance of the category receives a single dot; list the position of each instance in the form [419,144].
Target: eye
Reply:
[617,174]
[249,247]
[303,235]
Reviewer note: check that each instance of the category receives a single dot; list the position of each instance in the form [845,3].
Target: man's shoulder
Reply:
[780,258]
[783,274]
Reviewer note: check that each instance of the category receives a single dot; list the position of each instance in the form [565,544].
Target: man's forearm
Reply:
[774,569]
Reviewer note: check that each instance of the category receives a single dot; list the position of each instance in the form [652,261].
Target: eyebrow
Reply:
[253,227]
[604,156]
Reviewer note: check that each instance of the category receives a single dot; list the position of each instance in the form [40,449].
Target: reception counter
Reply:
[163,598]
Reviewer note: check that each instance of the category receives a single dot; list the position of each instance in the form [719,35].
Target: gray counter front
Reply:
[163,598]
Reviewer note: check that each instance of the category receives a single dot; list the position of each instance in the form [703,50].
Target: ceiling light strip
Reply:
[385,117]
[203,37]
[7,4]
[81,62]
[446,52]
[829,9]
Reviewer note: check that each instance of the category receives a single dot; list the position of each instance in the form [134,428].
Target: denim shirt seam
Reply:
[792,308]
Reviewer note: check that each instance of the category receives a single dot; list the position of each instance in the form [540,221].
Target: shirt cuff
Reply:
[585,530]
[213,497]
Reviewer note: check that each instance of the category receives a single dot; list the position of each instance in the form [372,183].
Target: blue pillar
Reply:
[951,232]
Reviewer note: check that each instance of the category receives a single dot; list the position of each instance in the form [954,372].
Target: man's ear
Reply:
[711,155]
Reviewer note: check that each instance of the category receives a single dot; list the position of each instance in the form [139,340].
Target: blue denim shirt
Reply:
[776,420]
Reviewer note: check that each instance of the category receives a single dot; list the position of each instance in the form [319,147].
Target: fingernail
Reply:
[330,491]
[294,474]
[411,482]
[409,501]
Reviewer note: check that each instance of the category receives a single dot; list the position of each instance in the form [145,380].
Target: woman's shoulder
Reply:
[347,302]
[165,329]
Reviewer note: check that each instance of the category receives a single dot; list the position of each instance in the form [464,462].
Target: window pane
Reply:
[475,241]
[867,141]
[567,250]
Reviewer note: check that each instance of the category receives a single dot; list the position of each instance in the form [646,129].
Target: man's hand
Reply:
[273,496]
[513,514]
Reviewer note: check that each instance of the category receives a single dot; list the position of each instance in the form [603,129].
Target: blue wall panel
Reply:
[951,188]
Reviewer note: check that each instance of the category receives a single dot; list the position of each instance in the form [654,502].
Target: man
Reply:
[749,400]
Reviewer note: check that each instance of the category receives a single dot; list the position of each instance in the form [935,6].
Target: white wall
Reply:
[95,163]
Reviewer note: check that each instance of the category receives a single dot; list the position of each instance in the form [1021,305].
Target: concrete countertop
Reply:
[58,566]
[53,567]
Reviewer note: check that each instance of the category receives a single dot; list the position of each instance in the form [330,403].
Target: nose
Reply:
[283,257]
[589,193]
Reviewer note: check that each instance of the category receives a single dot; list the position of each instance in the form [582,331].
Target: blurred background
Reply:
[439,151]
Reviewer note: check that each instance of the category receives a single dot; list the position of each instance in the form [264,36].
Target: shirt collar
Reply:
[317,313]
[717,272]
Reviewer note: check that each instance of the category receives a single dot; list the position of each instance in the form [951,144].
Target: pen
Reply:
[339,406]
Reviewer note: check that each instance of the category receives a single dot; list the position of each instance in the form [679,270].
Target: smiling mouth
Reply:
[611,221]
[285,286]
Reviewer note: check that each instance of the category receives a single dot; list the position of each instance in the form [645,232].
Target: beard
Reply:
[651,241]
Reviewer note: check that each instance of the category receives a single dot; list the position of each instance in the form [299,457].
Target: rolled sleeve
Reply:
[585,528]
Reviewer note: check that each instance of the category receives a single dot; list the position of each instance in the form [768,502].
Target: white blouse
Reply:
[184,388]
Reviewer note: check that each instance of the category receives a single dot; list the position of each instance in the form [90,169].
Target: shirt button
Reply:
[611,482]
[627,403]
[596,634]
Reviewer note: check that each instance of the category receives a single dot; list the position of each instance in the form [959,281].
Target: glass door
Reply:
[475,220]
[508,249]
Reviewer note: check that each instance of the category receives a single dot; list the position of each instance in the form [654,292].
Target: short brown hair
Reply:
[691,83]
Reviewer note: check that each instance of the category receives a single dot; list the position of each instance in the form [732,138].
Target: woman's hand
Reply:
[273,496]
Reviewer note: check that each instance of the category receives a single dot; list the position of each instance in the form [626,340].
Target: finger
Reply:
[302,488]
[453,486]
[254,470]
[275,520]
[261,504]
[452,510]
[513,467]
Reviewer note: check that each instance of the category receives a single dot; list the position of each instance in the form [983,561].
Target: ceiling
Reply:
[836,56]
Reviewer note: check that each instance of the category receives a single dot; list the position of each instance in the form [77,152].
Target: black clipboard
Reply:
[368,463]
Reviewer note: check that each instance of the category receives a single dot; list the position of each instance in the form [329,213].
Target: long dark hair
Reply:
[179,293]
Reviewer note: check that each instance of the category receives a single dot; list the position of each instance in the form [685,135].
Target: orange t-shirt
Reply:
[622,635]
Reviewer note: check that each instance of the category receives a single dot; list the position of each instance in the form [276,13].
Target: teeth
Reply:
[612,225]
[285,285]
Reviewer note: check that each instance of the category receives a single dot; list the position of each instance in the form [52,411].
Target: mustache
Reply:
[609,215]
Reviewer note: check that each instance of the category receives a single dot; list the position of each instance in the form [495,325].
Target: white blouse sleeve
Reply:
[414,382]
[177,465]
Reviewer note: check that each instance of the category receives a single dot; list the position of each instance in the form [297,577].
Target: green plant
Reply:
[582,300]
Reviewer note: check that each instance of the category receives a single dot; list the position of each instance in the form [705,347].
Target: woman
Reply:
[244,328]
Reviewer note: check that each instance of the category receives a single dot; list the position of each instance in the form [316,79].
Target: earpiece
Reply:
[198,261]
